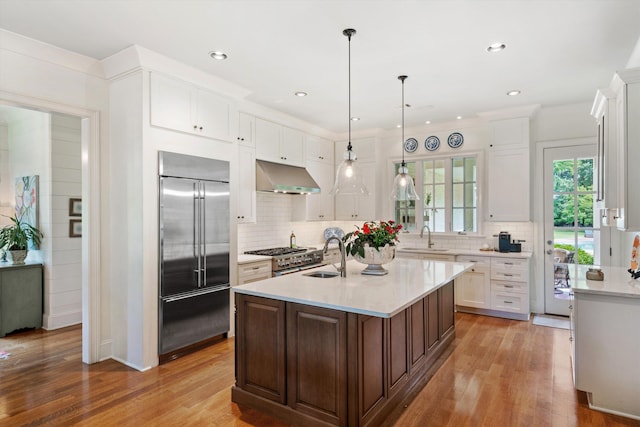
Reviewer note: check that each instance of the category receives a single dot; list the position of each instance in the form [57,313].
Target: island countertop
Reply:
[382,296]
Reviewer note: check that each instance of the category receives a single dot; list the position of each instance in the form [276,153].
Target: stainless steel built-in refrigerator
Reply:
[194,250]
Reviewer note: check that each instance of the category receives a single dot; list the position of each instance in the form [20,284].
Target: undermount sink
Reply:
[321,274]
[423,249]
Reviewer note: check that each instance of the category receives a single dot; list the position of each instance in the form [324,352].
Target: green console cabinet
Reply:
[20,297]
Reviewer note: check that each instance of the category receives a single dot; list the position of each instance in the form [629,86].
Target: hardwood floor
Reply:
[500,373]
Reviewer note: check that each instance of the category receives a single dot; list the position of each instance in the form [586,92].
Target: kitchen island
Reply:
[343,351]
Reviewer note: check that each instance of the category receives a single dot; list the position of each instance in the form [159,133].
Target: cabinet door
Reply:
[246,210]
[292,147]
[318,149]
[508,186]
[366,206]
[213,115]
[246,130]
[473,289]
[317,362]
[172,103]
[320,206]
[268,136]
[20,298]
[260,347]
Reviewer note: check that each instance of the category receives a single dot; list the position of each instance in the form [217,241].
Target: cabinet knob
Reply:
[195,127]
[200,127]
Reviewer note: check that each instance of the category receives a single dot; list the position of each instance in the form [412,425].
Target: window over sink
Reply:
[448,189]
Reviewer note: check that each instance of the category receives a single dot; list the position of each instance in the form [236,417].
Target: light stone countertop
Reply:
[408,281]
[617,282]
[413,249]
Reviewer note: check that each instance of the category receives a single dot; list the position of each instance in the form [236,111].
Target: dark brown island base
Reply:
[343,351]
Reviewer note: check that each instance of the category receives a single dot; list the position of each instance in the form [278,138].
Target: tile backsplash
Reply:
[274,225]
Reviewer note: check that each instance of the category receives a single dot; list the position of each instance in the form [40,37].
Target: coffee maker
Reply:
[504,241]
[506,245]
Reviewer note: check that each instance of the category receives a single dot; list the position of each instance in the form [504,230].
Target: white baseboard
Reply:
[57,321]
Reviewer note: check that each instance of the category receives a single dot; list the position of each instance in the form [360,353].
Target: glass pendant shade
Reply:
[403,186]
[349,179]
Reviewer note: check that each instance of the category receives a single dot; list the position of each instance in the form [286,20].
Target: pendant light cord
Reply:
[402,79]
[349,32]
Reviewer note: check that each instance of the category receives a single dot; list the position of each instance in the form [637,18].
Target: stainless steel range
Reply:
[290,260]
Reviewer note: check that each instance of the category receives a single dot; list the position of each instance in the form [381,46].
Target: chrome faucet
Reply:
[343,254]
[429,243]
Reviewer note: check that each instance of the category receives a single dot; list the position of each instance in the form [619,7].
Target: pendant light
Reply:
[348,176]
[403,188]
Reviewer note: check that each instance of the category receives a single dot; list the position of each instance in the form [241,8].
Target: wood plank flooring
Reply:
[500,373]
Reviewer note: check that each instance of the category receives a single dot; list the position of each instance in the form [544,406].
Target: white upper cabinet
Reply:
[360,208]
[604,111]
[181,106]
[246,130]
[318,149]
[508,169]
[626,85]
[279,144]
[246,197]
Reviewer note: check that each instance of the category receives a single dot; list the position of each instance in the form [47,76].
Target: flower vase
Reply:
[374,258]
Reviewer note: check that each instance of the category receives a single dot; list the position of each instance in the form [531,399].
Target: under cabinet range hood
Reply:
[278,178]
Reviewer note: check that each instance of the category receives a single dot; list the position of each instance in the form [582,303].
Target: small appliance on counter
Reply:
[505,244]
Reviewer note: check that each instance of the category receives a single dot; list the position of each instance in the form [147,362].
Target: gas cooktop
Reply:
[276,251]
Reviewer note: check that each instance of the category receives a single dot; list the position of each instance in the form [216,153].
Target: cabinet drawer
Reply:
[481,261]
[254,271]
[509,275]
[504,286]
[507,301]
[508,264]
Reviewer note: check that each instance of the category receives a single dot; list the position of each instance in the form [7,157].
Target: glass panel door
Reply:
[572,234]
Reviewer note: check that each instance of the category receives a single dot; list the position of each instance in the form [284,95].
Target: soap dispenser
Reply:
[292,240]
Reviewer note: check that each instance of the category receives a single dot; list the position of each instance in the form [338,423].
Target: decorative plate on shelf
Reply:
[455,140]
[432,143]
[410,145]
[333,231]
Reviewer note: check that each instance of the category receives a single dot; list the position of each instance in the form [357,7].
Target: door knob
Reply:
[549,251]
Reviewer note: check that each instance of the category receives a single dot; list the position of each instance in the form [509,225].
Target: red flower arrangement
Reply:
[372,234]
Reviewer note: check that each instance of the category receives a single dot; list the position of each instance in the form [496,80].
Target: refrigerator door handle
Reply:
[196,231]
[203,234]
[194,294]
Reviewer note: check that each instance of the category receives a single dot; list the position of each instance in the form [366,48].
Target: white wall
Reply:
[40,76]
[63,257]
[6,187]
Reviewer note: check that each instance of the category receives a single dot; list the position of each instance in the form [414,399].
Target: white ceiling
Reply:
[558,51]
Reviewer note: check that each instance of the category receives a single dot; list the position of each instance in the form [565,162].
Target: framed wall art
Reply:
[75,228]
[75,207]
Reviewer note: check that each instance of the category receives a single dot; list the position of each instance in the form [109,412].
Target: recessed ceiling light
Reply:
[513,92]
[216,54]
[459,117]
[428,122]
[496,47]
[301,94]
[355,119]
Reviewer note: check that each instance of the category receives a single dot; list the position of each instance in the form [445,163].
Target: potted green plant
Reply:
[15,238]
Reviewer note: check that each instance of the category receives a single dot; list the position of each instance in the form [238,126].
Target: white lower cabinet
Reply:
[472,289]
[497,286]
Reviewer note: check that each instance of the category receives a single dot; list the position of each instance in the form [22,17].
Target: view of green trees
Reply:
[564,204]
[570,180]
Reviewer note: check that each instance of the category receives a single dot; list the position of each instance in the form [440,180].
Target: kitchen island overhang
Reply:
[342,351]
